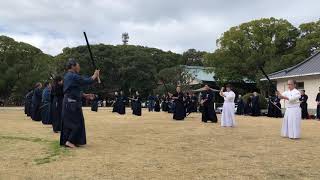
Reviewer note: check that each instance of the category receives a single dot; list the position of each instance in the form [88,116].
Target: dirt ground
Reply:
[156,147]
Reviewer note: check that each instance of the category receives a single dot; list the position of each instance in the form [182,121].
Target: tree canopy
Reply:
[272,43]
[21,65]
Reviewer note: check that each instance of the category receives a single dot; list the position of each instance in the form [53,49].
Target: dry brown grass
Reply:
[156,147]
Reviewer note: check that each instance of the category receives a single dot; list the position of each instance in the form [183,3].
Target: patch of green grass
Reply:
[54,149]
[31,139]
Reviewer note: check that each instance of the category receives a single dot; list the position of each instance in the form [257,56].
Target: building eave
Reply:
[292,76]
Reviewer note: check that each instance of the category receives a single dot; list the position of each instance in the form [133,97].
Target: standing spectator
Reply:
[304,105]
[240,107]
[150,103]
[255,104]
[318,104]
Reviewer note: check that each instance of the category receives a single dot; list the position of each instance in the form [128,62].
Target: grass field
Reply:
[156,147]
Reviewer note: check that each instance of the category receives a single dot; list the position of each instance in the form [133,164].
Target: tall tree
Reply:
[193,57]
[243,47]
[21,65]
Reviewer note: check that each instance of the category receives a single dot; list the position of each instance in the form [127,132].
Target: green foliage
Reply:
[192,57]
[262,100]
[171,77]
[21,65]
[122,67]
[273,43]
[243,47]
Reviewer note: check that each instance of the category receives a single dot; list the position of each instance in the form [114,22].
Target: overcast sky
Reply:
[175,25]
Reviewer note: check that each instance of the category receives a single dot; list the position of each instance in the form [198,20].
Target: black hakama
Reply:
[255,106]
[136,106]
[73,126]
[36,104]
[56,107]
[72,122]
[45,107]
[318,106]
[179,110]
[208,112]
[304,106]
[122,105]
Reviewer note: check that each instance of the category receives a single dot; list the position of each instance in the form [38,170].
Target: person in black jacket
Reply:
[318,104]
[56,103]
[28,103]
[73,132]
[240,105]
[179,112]
[207,102]
[304,105]
[36,102]
[157,103]
[255,105]
[136,104]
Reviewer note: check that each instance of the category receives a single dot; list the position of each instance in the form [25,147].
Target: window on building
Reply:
[300,85]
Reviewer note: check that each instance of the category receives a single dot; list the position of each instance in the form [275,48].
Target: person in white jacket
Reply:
[228,114]
[291,124]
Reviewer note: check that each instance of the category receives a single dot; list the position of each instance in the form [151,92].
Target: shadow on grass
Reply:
[54,150]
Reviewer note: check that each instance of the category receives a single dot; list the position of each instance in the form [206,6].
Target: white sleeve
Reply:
[230,96]
[284,94]
[295,97]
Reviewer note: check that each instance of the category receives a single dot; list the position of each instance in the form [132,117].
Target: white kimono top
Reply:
[229,97]
[294,96]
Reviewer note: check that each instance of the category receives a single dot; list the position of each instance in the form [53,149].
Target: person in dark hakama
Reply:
[194,103]
[304,105]
[318,104]
[256,105]
[157,103]
[46,104]
[36,103]
[122,103]
[95,103]
[240,105]
[150,103]
[136,110]
[207,102]
[171,105]
[277,111]
[115,102]
[28,103]
[179,110]
[200,99]
[271,107]
[248,106]
[187,103]
[73,127]
[164,103]
[56,103]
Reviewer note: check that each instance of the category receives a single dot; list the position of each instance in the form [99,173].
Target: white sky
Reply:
[175,25]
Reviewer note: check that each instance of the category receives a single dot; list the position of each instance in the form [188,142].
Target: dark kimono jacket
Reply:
[179,111]
[136,106]
[56,107]
[46,105]
[208,112]
[304,106]
[36,104]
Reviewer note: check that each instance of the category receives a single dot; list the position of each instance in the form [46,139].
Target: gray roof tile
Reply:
[310,66]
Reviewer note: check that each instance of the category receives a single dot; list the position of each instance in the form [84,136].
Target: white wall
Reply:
[311,85]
